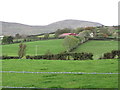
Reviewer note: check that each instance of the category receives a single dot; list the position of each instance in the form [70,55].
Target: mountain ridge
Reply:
[12,28]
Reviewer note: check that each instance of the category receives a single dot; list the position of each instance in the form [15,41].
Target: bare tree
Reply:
[22,50]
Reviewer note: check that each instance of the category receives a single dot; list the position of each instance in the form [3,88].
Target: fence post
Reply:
[36,50]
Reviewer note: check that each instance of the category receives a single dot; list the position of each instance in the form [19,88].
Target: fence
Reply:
[55,72]
[36,49]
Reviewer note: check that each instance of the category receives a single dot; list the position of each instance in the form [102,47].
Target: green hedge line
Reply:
[111,55]
[63,56]
[9,57]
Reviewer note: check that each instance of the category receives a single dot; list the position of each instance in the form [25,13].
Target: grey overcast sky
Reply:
[43,12]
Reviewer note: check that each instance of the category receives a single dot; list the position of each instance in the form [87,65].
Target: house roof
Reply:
[66,34]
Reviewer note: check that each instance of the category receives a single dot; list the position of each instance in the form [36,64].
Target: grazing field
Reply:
[61,80]
[36,47]
[50,35]
[98,47]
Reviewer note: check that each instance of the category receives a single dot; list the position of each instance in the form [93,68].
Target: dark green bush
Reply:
[9,57]
[111,55]
[63,56]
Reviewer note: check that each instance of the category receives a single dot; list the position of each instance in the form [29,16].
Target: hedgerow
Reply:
[61,56]
[111,55]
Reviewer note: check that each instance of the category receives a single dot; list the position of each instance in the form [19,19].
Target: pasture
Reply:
[48,80]
[98,47]
[50,35]
[61,80]
[36,47]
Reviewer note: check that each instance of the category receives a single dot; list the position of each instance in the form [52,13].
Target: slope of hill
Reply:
[9,28]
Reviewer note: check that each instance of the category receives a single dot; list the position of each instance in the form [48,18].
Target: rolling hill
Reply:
[9,28]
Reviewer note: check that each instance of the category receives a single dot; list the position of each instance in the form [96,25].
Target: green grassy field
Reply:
[50,35]
[98,47]
[60,80]
[36,47]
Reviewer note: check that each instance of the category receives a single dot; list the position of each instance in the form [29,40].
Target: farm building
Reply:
[66,34]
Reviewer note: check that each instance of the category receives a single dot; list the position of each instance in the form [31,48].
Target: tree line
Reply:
[104,31]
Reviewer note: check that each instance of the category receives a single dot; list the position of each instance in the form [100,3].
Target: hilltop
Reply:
[10,28]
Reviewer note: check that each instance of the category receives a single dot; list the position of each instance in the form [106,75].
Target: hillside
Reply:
[9,28]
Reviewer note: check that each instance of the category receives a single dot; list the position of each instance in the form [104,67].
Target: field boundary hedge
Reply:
[103,39]
[67,56]
[111,55]
[62,56]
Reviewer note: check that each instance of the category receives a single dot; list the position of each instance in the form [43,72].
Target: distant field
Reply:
[98,47]
[60,80]
[36,47]
[50,35]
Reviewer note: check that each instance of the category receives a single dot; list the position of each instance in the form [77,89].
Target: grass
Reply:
[36,47]
[18,40]
[60,65]
[60,80]
[98,47]
[50,35]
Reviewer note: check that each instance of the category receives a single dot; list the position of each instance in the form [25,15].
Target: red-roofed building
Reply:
[66,34]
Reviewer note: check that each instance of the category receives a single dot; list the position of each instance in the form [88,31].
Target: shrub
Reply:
[111,55]
[70,42]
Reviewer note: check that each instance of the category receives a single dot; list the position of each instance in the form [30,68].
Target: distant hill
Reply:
[9,28]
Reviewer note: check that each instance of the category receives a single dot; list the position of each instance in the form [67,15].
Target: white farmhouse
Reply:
[91,35]
[1,37]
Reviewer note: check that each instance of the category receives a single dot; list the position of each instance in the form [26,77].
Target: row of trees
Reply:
[69,30]
[97,32]
[71,42]
[104,31]
[7,40]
